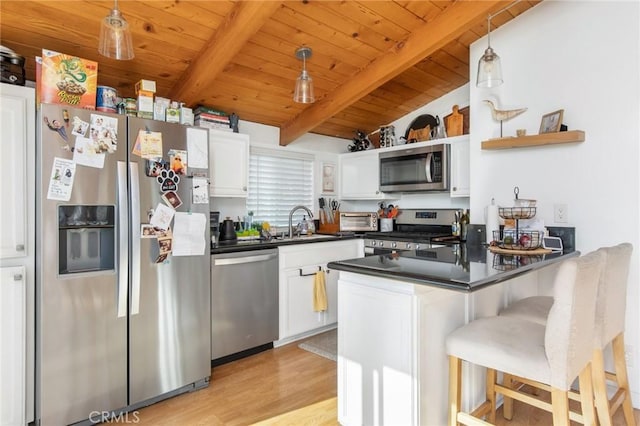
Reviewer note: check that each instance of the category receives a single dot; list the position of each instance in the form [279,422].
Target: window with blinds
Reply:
[277,183]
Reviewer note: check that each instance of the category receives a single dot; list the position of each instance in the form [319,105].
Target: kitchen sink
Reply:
[307,237]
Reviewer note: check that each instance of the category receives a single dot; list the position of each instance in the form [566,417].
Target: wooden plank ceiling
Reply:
[373,61]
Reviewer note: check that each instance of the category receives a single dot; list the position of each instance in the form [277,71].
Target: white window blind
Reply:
[277,183]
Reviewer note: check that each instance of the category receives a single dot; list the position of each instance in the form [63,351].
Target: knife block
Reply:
[329,228]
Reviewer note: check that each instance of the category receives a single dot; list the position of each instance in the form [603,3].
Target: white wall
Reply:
[582,57]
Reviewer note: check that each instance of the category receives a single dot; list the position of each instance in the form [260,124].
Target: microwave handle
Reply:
[427,168]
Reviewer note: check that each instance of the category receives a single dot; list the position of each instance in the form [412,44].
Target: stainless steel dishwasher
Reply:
[244,302]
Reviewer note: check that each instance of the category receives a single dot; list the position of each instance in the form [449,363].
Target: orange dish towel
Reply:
[319,292]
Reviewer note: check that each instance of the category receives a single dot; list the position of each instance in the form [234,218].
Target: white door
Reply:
[15,114]
[12,345]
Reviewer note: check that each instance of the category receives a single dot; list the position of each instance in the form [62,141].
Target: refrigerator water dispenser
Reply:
[86,238]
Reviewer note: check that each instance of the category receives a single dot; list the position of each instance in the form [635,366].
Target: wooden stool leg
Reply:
[622,378]
[586,396]
[455,384]
[600,388]
[507,405]
[560,407]
[491,394]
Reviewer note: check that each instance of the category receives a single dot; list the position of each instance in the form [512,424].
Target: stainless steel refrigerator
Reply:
[120,323]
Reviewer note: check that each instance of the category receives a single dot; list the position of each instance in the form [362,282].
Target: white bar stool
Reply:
[609,329]
[554,355]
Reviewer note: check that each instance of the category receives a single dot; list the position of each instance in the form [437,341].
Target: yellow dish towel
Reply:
[319,292]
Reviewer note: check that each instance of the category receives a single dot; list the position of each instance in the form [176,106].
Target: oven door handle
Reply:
[427,167]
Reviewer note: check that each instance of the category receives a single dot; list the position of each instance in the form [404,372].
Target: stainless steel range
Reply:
[414,229]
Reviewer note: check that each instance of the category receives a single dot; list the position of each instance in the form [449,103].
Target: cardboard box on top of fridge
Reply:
[160,106]
[68,80]
[145,85]
[186,115]
[145,104]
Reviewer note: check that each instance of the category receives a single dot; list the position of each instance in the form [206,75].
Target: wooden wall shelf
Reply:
[534,140]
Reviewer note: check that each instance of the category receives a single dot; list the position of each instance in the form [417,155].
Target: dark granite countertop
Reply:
[458,267]
[251,245]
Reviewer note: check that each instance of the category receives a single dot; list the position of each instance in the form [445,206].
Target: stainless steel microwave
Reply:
[424,168]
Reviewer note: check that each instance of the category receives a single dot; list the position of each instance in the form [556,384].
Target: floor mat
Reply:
[323,344]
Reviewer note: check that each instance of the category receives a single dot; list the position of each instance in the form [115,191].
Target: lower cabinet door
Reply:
[301,316]
[13,347]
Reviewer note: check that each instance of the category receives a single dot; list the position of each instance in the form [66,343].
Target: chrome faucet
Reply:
[293,210]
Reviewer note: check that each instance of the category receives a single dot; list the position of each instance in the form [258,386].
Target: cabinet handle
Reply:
[20,247]
[17,277]
[244,188]
[455,188]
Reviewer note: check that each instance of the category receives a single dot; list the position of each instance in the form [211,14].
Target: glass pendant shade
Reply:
[303,92]
[489,70]
[304,89]
[115,37]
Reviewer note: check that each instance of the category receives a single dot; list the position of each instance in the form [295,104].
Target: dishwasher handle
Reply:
[243,259]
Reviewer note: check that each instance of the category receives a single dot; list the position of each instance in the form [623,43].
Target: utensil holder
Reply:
[329,228]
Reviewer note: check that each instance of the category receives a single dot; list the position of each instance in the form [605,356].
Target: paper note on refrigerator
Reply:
[162,216]
[197,148]
[200,190]
[85,154]
[189,234]
[63,172]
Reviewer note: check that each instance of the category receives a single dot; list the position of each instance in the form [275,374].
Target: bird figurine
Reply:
[501,114]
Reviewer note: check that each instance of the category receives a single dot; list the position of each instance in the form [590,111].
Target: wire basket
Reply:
[517,240]
[517,212]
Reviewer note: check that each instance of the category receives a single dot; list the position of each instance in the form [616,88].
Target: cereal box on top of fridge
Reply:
[68,80]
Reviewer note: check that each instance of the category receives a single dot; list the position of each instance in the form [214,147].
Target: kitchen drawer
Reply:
[300,255]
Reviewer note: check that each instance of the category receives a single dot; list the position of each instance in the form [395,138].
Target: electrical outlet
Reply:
[628,356]
[560,213]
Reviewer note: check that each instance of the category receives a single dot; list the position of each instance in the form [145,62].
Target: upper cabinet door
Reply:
[17,111]
[360,176]
[228,164]
[460,174]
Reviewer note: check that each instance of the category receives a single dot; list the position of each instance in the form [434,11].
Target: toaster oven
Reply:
[358,221]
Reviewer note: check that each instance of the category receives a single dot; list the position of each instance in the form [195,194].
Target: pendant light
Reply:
[115,36]
[303,92]
[489,67]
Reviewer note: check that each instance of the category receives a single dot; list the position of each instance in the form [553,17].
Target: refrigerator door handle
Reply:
[123,248]
[135,239]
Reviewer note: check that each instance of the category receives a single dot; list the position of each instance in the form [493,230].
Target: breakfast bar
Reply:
[394,313]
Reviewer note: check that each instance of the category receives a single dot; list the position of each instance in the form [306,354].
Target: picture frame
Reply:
[328,178]
[551,122]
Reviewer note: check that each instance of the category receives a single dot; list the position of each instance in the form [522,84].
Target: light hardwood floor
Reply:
[283,386]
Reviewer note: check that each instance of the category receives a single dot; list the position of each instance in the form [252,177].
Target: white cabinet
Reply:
[12,345]
[228,164]
[18,123]
[17,254]
[360,176]
[298,266]
[460,175]
[392,365]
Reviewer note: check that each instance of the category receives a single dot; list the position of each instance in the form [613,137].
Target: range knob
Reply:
[373,243]
[417,246]
[408,246]
[394,245]
[381,243]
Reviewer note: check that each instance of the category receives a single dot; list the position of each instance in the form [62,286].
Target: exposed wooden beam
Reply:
[421,43]
[246,19]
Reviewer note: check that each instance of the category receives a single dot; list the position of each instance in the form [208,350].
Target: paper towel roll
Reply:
[492,220]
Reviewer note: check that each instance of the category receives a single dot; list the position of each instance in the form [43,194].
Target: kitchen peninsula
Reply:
[395,312]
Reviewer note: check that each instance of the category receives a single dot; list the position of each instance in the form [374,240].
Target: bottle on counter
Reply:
[464,225]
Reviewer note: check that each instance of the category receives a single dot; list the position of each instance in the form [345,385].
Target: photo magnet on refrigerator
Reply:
[168,180]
